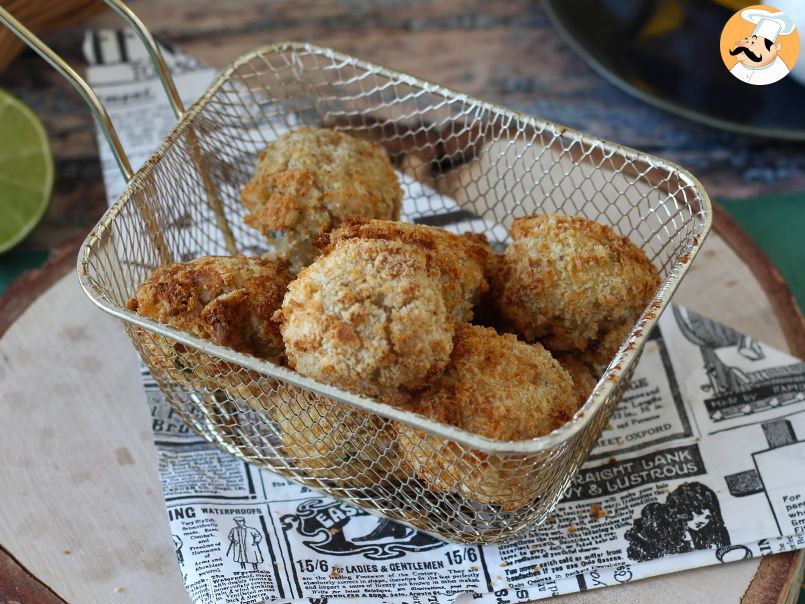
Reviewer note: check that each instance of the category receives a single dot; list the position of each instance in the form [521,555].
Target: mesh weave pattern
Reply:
[461,160]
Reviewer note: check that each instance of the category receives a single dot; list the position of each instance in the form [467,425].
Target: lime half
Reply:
[26,171]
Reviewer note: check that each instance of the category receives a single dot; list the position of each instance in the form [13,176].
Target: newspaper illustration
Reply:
[703,461]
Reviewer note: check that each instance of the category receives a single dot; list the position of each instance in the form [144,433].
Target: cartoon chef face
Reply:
[755,51]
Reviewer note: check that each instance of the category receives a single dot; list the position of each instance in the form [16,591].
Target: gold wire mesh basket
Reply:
[460,159]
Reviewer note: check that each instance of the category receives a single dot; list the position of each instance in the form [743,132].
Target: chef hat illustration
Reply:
[768,25]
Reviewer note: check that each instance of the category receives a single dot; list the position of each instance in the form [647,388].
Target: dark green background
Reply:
[777,224]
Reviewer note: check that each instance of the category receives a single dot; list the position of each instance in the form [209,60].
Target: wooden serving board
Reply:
[82,513]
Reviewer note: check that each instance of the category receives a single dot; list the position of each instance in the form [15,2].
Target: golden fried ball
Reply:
[460,259]
[494,386]
[369,317]
[328,439]
[310,180]
[573,284]
[228,300]
[583,376]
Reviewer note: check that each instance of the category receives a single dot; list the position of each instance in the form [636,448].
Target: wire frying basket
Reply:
[463,163]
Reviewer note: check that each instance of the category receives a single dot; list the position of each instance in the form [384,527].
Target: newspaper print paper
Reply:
[702,463]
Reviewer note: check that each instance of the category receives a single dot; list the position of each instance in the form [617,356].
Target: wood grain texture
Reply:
[503,51]
[80,493]
[98,566]
[782,300]
[41,17]
[33,283]
[18,584]
[777,581]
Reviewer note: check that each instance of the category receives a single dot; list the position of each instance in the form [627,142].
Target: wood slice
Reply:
[50,463]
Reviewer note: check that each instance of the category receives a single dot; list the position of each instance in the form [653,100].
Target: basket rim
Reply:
[620,364]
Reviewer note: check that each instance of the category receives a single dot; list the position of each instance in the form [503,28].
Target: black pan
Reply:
[679,70]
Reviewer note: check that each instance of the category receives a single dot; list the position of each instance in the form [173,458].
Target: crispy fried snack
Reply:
[573,284]
[228,300]
[497,387]
[583,376]
[310,180]
[460,259]
[369,317]
[328,439]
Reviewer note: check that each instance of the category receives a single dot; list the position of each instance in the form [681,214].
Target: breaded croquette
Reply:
[460,259]
[573,284]
[310,180]
[369,317]
[328,439]
[582,374]
[494,386]
[228,300]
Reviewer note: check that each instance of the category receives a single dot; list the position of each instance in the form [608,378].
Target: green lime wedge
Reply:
[26,171]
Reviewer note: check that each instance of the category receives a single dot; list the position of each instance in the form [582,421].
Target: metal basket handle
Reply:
[84,89]
[153,51]
[99,110]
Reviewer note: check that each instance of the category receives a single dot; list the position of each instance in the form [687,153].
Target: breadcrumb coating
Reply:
[583,376]
[228,300]
[369,317]
[460,259]
[494,386]
[573,284]
[310,180]
[328,439]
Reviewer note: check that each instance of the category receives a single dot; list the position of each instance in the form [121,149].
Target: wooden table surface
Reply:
[83,518]
[503,51]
